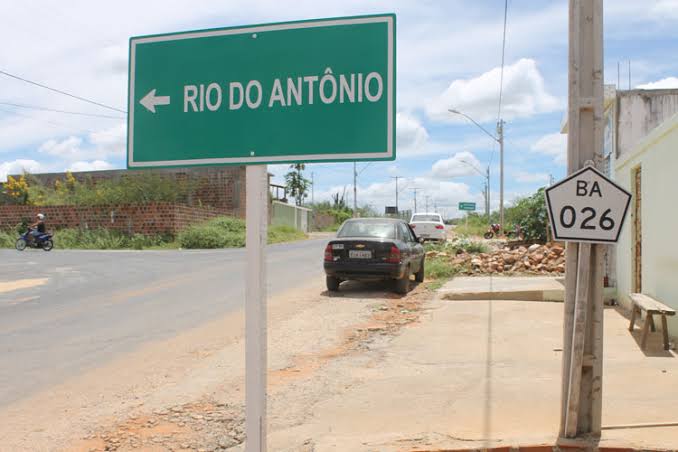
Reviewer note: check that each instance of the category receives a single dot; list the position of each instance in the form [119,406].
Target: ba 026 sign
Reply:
[587,207]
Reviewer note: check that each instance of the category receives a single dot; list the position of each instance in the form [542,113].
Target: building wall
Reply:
[639,112]
[657,154]
[219,187]
[290,215]
[148,219]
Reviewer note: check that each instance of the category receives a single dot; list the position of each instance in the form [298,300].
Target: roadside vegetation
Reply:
[131,189]
[529,212]
[220,232]
[439,265]
[228,232]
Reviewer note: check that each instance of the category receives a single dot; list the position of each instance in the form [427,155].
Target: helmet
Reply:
[41,216]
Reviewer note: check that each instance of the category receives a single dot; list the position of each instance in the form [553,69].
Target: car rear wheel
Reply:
[332,283]
[402,285]
[419,276]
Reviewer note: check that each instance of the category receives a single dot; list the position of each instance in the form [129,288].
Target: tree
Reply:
[297,185]
[530,213]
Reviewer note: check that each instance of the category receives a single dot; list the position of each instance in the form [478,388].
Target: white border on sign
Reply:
[271,159]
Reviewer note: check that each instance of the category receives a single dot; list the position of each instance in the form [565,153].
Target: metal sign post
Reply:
[255,307]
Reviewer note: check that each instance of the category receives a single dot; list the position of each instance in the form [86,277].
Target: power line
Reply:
[61,92]
[34,107]
[54,123]
[503,54]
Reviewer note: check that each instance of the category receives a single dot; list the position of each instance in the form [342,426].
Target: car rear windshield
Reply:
[426,218]
[367,229]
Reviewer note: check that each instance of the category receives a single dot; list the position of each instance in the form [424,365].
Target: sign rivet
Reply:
[254,36]
[252,153]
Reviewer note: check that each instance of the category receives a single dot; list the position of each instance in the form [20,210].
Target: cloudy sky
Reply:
[449,54]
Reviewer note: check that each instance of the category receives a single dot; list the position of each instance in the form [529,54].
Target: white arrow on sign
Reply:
[150,100]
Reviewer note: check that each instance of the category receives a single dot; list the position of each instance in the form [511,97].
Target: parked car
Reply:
[374,249]
[428,226]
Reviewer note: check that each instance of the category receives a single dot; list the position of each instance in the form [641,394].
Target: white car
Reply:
[428,226]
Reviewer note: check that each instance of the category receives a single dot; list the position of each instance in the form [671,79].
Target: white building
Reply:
[640,152]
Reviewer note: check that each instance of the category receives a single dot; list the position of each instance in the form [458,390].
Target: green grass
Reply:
[472,230]
[227,232]
[220,232]
[439,268]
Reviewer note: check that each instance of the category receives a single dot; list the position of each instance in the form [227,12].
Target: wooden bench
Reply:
[651,307]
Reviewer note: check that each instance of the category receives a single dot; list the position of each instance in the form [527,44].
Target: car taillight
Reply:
[440,226]
[394,255]
[328,253]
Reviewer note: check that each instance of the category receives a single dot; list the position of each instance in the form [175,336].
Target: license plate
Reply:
[359,254]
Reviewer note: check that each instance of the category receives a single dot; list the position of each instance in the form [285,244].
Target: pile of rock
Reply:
[546,259]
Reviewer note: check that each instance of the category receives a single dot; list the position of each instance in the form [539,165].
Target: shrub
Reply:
[439,268]
[228,232]
[7,239]
[281,233]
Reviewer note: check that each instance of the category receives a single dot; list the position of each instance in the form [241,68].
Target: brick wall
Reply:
[219,187]
[156,218]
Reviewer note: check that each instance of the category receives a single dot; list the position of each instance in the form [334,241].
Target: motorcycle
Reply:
[43,241]
[495,230]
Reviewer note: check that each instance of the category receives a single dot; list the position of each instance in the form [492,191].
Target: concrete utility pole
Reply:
[415,198]
[581,397]
[355,190]
[396,179]
[500,139]
[426,197]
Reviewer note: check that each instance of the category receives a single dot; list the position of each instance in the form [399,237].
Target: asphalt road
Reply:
[97,305]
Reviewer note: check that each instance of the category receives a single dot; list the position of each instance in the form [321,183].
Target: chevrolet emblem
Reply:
[360,246]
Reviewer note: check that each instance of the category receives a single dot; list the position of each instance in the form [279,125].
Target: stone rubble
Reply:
[548,259]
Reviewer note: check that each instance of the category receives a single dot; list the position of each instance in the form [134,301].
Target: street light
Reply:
[499,139]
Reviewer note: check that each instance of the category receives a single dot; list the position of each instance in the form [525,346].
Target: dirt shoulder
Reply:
[188,392]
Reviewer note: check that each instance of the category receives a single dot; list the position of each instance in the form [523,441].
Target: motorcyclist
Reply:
[37,228]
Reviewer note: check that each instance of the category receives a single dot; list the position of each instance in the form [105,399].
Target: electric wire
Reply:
[7,74]
[35,107]
[54,123]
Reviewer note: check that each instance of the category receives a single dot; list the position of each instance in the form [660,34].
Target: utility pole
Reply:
[355,190]
[581,396]
[396,179]
[500,139]
[415,198]
[426,197]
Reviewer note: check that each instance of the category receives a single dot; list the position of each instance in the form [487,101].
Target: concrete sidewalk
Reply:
[527,288]
[477,374]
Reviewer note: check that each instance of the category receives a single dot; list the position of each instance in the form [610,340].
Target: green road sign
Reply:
[467,206]
[318,90]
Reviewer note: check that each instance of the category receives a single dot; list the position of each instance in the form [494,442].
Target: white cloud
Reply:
[553,145]
[96,165]
[100,145]
[411,135]
[524,95]
[525,177]
[665,83]
[18,167]
[460,164]
[68,148]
